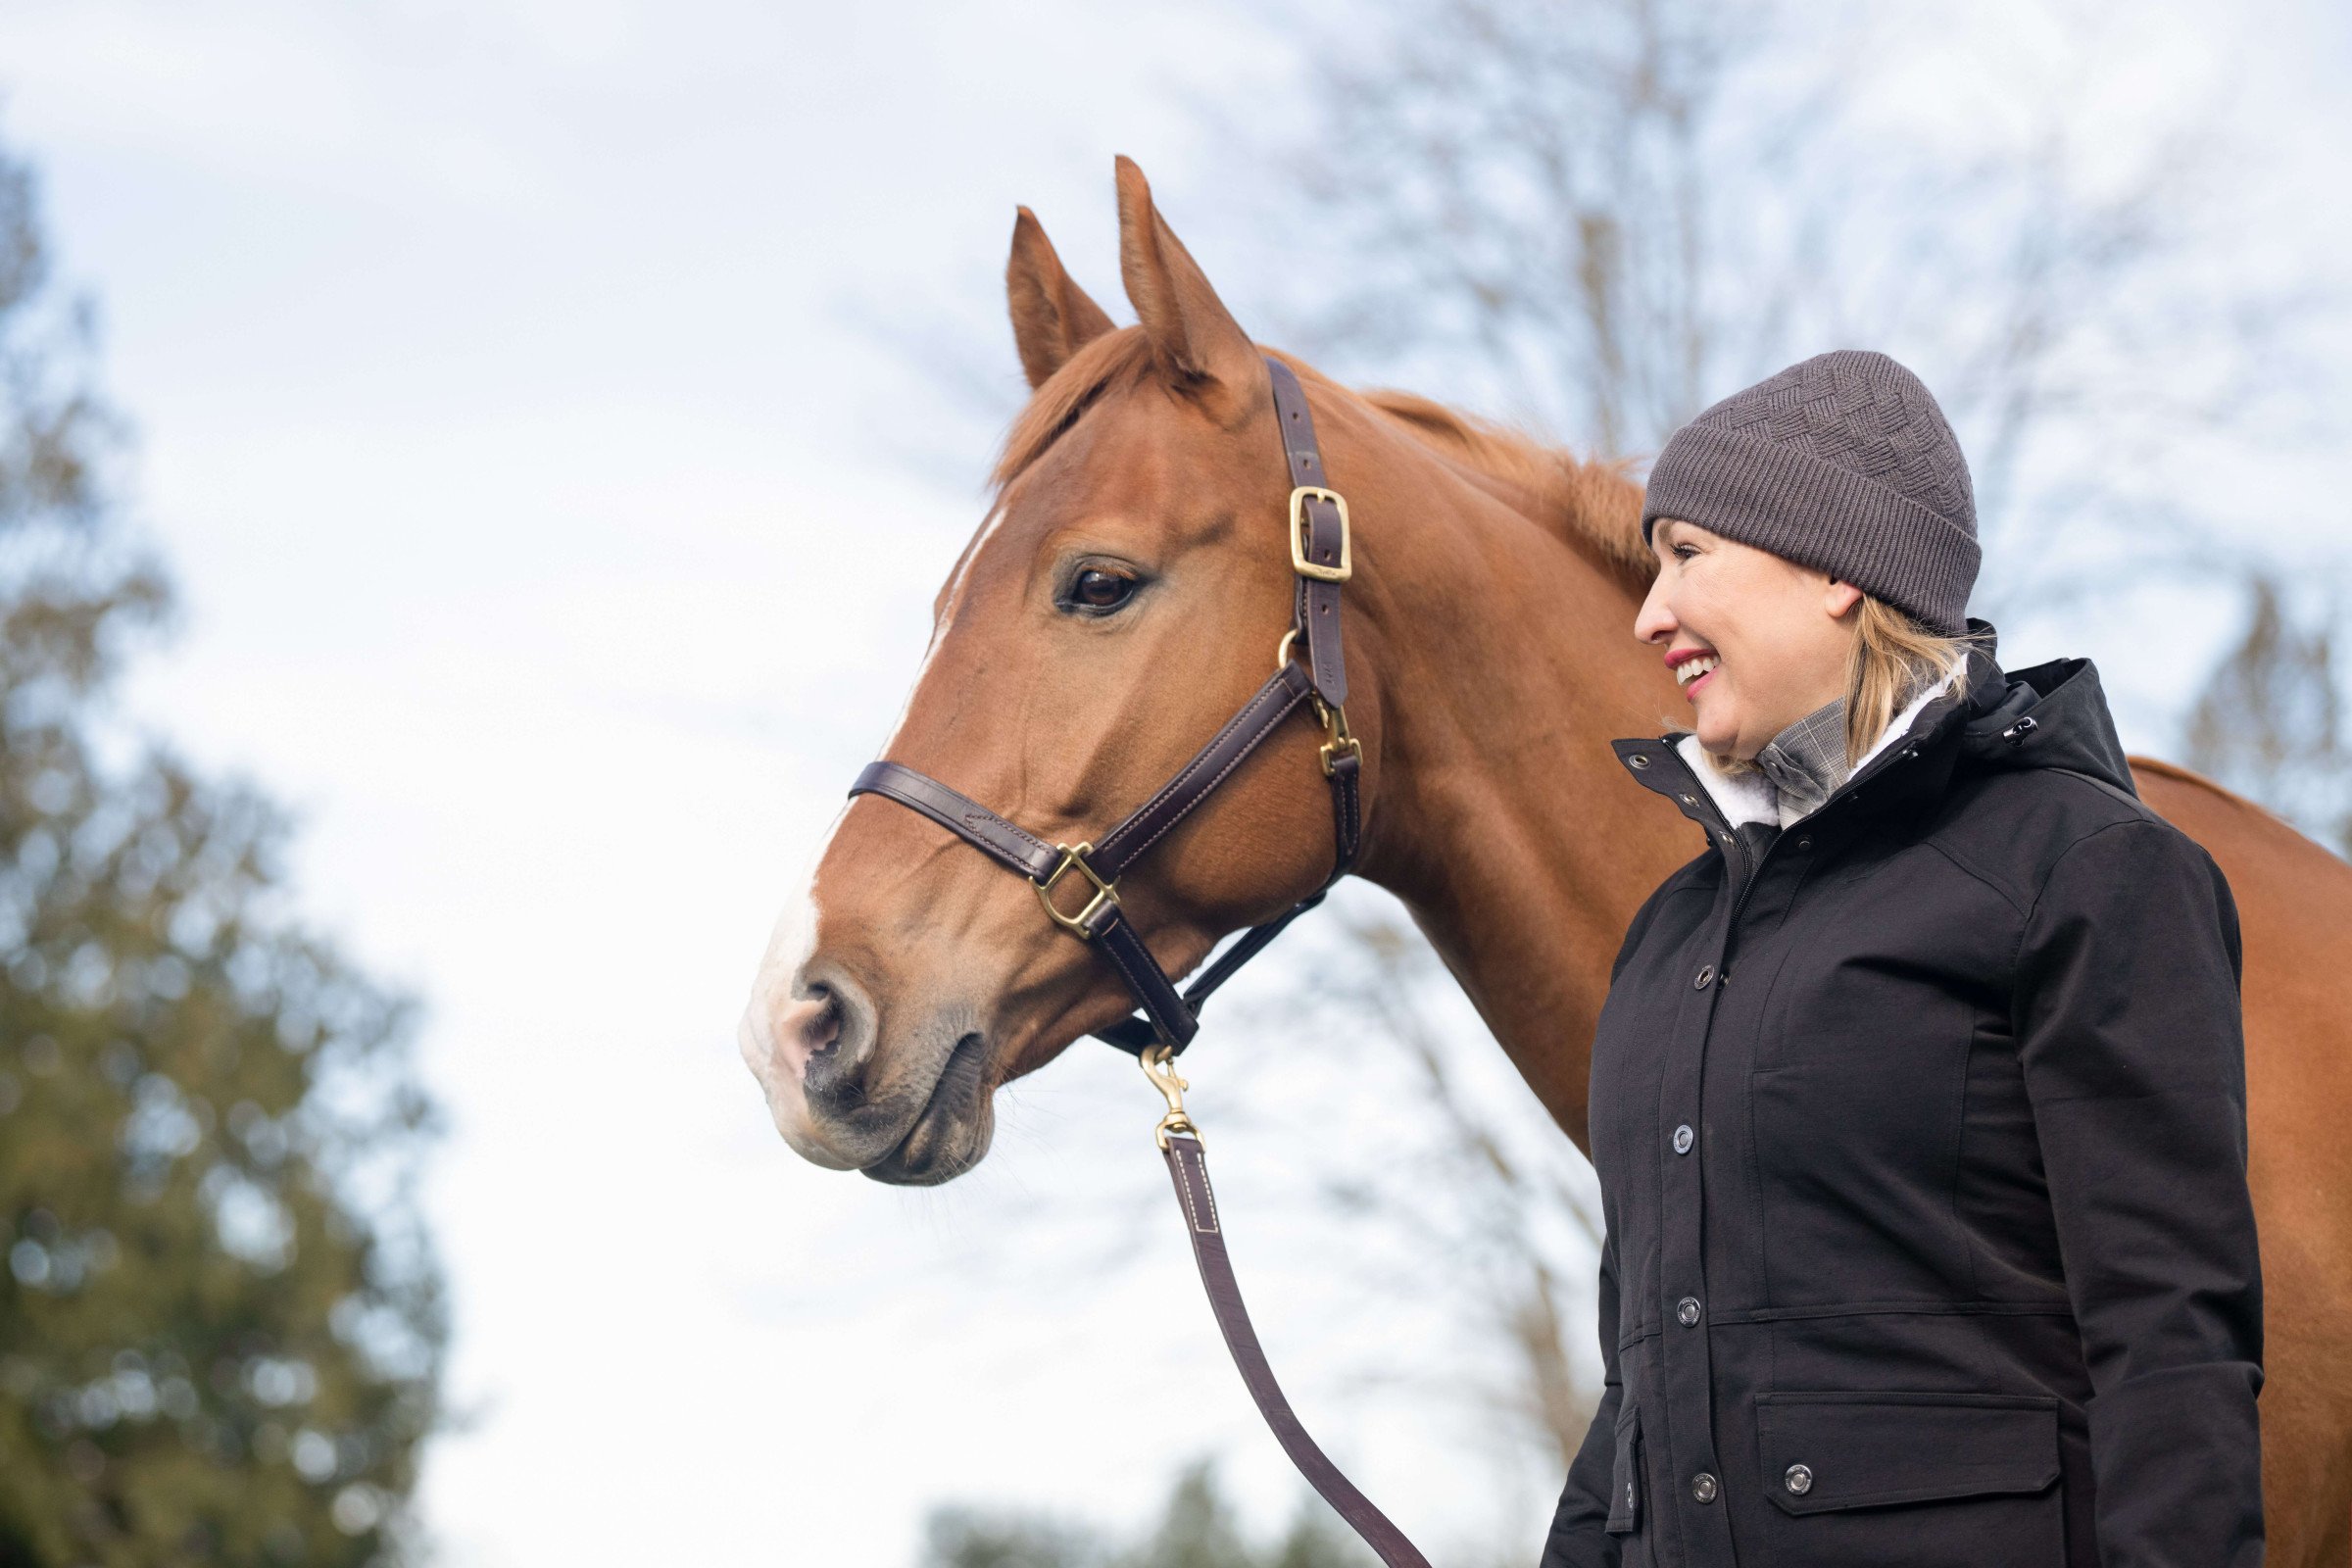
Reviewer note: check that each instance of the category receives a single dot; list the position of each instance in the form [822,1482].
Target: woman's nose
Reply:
[1655,621]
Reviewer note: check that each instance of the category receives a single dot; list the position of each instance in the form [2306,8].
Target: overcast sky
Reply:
[516,404]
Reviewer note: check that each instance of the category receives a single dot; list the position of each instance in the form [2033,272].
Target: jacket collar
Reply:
[1910,764]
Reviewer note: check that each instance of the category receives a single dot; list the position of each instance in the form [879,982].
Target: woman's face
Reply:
[1756,641]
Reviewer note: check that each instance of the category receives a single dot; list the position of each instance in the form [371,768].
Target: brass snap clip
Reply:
[1159,1065]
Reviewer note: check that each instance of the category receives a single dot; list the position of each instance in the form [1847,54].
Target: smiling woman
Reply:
[1882,1280]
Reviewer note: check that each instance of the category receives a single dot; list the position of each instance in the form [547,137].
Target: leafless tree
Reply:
[1596,216]
[2269,721]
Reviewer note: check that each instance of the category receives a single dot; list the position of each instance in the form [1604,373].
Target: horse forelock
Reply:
[1116,359]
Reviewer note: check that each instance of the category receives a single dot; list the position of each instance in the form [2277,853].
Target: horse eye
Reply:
[1100,591]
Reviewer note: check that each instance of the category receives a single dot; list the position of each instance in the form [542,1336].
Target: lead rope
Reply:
[1188,1165]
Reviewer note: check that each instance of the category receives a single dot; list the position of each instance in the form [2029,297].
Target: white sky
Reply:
[549,536]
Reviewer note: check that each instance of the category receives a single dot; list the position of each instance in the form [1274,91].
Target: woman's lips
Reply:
[1691,692]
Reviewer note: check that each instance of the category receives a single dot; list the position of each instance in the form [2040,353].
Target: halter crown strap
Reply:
[1319,546]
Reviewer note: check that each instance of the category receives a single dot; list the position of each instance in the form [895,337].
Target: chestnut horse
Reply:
[1126,591]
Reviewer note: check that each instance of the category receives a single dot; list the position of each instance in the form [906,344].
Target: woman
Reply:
[1918,1098]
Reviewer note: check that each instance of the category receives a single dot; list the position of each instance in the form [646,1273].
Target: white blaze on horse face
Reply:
[778,1030]
[775,1035]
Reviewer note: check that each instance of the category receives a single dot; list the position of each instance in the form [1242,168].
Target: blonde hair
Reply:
[1893,659]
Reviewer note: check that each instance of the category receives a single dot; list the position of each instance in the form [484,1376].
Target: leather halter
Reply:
[1311,670]
[1321,560]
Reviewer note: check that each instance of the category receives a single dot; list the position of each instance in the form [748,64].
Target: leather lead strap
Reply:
[1189,1166]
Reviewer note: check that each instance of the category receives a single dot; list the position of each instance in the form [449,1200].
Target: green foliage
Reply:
[1197,1529]
[220,1322]
[968,1538]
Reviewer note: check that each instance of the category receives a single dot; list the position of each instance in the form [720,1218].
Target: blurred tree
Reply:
[2269,722]
[1197,1529]
[220,1324]
[958,1537]
[1599,216]
[1481,1190]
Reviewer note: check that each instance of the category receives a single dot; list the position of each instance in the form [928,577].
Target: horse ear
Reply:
[1053,317]
[1196,340]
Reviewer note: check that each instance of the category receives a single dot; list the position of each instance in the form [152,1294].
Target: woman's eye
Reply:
[1100,592]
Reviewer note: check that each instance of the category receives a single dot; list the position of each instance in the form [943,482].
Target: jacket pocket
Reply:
[1624,1475]
[1928,1480]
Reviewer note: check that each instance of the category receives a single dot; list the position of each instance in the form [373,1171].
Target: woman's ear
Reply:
[1840,598]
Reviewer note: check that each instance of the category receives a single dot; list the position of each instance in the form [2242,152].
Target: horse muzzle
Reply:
[914,1114]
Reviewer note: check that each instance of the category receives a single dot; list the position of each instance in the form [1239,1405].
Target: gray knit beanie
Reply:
[1842,462]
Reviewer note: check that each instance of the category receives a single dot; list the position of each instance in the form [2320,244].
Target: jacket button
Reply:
[1682,1139]
[1804,844]
[1703,1487]
[1639,760]
[1798,1480]
[1687,1310]
[1706,972]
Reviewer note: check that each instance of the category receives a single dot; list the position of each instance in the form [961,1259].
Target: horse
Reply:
[1124,592]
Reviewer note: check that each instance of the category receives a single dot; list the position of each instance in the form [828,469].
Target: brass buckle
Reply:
[1159,1064]
[1298,530]
[1336,741]
[1106,895]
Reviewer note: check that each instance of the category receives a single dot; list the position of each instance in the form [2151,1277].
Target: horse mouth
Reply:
[953,1129]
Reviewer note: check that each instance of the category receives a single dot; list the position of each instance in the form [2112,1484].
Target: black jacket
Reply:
[1922,1153]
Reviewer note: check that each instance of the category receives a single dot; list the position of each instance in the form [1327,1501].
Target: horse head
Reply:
[1123,595]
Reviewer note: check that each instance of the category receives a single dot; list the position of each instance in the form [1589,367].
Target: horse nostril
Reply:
[837,1036]
[808,1029]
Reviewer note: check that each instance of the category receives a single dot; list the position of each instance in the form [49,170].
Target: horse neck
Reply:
[1502,817]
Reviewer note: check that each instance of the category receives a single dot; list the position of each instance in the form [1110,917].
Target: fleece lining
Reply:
[1750,797]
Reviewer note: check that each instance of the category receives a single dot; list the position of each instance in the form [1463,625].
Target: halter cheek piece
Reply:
[1321,560]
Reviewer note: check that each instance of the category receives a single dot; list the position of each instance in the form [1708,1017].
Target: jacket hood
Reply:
[2051,715]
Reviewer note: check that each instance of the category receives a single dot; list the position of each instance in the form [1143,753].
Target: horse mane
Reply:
[1595,500]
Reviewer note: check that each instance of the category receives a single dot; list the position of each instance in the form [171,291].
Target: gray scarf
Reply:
[1807,761]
